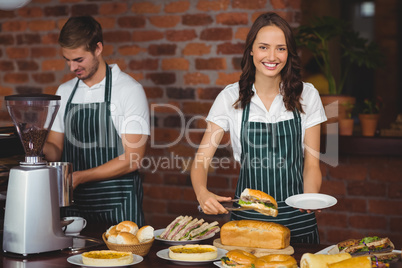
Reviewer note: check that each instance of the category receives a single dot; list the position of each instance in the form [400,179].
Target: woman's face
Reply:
[269,52]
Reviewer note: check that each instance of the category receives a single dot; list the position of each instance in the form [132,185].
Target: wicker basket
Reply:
[141,249]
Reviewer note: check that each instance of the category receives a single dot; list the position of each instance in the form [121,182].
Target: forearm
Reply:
[312,179]
[53,147]
[199,175]
[134,150]
[114,168]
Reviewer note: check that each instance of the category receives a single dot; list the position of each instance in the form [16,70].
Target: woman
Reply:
[274,122]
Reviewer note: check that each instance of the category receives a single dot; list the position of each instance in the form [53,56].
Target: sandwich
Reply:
[238,259]
[259,201]
[204,230]
[185,228]
[366,246]
[381,259]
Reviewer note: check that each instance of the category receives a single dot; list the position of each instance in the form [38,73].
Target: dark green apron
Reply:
[91,140]
[272,161]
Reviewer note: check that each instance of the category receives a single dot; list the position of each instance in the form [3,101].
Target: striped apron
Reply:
[272,162]
[90,141]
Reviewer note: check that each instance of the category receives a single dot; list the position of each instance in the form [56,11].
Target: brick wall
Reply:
[369,193]
[183,52]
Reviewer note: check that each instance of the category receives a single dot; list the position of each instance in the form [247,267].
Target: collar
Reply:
[115,70]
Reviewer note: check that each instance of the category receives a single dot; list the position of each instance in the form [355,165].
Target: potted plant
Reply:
[317,38]
[369,115]
[346,125]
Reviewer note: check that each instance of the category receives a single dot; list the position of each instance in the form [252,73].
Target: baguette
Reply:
[256,234]
[361,262]
[310,260]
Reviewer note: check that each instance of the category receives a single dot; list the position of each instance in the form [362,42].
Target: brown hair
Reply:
[81,31]
[291,84]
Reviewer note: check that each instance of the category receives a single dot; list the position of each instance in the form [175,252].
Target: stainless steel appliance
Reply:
[32,217]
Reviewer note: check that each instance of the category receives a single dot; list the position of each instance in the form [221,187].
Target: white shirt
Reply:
[228,118]
[128,103]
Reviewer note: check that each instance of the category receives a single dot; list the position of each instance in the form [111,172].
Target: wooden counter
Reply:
[59,259]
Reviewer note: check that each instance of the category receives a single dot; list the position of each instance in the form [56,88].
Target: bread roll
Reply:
[361,262]
[276,261]
[111,231]
[145,233]
[256,234]
[107,258]
[126,238]
[112,238]
[193,252]
[127,226]
[241,258]
[310,260]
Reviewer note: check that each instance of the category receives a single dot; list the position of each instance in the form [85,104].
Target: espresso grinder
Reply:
[32,216]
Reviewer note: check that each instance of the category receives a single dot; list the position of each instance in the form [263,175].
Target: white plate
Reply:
[164,254]
[173,243]
[219,264]
[332,250]
[311,201]
[77,260]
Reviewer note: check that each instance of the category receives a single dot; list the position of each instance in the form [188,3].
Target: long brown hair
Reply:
[291,84]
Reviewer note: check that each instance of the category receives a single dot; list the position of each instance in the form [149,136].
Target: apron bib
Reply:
[91,140]
[272,162]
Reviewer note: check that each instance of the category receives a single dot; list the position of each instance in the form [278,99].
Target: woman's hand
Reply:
[309,210]
[210,203]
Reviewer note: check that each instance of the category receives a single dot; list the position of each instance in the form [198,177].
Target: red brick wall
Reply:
[369,193]
[184,52]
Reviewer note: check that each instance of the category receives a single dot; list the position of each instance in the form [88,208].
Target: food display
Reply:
[275,261]
[383,258]
[193,252]
[127,233]
[366,245]
[259,201]
[127,226]
[185,228]
[256,234]
[310,260]
[361,262]
[107,258]
[238,259]
[243,259]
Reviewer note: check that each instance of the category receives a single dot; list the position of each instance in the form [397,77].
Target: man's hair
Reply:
[81,31]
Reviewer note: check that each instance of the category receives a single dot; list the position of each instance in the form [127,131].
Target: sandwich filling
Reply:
[366,245]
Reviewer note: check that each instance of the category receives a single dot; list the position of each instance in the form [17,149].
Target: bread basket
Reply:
[141,249]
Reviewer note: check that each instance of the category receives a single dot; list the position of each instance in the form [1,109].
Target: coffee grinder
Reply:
[32,216]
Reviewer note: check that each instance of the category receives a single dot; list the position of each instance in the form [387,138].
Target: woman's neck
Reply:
[267,86]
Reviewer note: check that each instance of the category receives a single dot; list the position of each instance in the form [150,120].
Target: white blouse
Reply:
[228,118]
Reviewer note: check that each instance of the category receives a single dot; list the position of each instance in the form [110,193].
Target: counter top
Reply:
[59,258]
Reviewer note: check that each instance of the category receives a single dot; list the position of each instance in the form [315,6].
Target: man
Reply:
[101,127]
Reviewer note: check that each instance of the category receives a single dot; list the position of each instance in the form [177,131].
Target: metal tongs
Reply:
[229,208]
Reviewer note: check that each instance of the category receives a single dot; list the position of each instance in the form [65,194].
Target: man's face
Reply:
[81,62]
